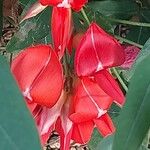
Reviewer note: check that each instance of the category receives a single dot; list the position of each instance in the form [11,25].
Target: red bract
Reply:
[61,29]
[72,112]
[90,105]
[75,4]
[50,2]
[55,118]
[47,119]
[71,120]
[39,75]
[62,21]
[110,86]
[76,39]
[96,51]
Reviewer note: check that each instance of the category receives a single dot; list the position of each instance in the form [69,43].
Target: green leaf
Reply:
[120,9]
[106,143]
[145,15]
[114,111]
[17,129]
[80,23]
[145,142]
[143,148]
[96,138]
[31,32]
[127,74]
[25,2]
[140,34]
[134,119]
[1,17]
[102,21]
[142,55]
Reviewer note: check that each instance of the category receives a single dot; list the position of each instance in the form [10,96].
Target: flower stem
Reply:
[128,41]
[68,79]
[65,63]
[85,16]
[140,24]
[120,79]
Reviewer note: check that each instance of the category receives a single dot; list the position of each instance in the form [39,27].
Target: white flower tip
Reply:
[64,4]
[26,94]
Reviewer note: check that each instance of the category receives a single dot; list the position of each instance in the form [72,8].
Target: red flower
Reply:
[74,41]
[75,4]
[99,51]
[38,73]
[50,2]
[131,53]
[73,121]
[105,80]
[61,29]
[39,76]
[55,118]
[90,105]
[62,22]
[35,70]
[96,51]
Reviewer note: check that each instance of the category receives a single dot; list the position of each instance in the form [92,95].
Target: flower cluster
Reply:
[72,101]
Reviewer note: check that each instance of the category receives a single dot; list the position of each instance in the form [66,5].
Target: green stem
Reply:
[85,16]
[141,24]
[120,79]
[128,41]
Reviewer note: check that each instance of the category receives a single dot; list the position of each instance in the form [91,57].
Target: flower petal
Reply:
[131,53]
[82,132]
[96,51]
[105,125]
[50,2]
[77,4]
[39,75]
[74,41]
[89,94]
[47,118]
[64,126]
[69,45]
[77,39]
[61,29]
[40,113]
[44,138]
[34,10]
[32,106]
[65,133]
[80,117]
[110,86]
